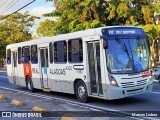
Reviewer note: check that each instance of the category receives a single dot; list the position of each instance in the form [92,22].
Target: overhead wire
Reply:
[10,2]
[3,3]
[9,6]
[19,9]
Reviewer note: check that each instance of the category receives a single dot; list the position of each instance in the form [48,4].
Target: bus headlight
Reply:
[112,80]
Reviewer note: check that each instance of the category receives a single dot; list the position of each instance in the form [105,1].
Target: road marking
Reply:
[89,106]
[155,92]
[148,118]
[151,118]
[156,80]
[3,71]
[137,118]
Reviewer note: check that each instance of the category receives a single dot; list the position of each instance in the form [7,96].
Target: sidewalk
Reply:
[32,100]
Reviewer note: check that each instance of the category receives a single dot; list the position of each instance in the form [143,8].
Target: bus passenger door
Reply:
[14,67]
[44,66]
[95,68]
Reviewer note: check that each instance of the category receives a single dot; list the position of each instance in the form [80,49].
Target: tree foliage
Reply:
[15,28]
[77,15]
[153,32]
[46,28]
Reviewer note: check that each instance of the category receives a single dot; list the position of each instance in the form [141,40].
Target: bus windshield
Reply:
[127,55]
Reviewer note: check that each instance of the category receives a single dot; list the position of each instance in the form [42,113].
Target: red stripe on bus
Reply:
[145,74]
[27,70]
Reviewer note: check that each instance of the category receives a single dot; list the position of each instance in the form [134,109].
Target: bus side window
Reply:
[34,54]
[25,54]
[9,56]
[51,52]
[19,55]
[60,51]
[75,51]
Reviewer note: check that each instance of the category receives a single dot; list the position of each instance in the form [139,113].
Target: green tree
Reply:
[77,15]
[14,29]
[46,28]
[153,32]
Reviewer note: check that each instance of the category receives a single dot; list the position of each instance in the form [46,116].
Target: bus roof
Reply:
[78,34]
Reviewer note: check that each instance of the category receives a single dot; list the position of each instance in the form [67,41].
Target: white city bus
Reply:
[108,63]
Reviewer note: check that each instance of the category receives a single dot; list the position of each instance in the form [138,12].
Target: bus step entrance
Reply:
[46,89]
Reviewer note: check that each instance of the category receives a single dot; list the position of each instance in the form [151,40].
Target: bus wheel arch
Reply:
[80,90]
[29,83]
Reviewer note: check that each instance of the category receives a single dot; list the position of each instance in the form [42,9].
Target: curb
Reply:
[2,97]
[68,118]
[17,102]
[39,109]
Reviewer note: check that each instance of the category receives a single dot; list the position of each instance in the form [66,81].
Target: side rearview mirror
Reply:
[105,43]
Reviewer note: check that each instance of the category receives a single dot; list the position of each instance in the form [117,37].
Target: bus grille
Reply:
[133,84]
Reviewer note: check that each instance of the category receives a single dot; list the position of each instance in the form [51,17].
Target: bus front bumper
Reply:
[119,92]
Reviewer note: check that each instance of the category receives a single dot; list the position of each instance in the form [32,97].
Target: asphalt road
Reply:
[147,102]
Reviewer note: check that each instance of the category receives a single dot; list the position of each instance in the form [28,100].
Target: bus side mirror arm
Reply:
[147,37]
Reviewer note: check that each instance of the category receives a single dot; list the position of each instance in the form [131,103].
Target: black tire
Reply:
[81,91]
[29,84]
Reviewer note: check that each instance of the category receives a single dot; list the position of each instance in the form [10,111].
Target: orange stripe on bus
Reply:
[27,70]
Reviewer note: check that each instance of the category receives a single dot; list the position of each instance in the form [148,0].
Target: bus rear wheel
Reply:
[29,84]
[81,91]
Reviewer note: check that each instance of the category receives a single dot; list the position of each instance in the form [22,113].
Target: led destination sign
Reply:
[123,31]
[117,32]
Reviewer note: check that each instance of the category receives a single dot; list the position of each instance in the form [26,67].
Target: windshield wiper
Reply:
[123,45]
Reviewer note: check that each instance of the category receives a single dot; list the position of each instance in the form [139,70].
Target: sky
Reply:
[37,8]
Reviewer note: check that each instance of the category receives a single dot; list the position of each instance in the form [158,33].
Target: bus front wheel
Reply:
[29,84]
[81,91]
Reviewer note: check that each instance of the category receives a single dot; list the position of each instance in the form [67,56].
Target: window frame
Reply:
[51,48]
[70,40]
[32,53]
[20,56]
[55,52]
[29,54]
[10,61]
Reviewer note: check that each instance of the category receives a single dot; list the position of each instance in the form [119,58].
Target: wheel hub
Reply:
[81,91]
[29,86]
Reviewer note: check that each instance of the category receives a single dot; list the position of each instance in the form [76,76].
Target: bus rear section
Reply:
[12,70]
[15,70]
